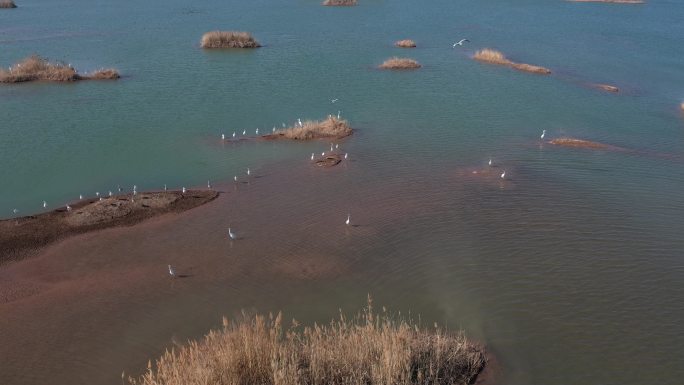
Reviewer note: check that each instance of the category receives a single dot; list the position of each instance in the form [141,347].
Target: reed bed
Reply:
[36,68]
[331,127]
[407,43]
[397,63]
[495,57]
[339,3]
[7,4]
[368,349]
[228,39]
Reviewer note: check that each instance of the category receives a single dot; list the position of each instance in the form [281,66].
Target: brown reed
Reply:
[397,63]
[495,57]
[38,68]
[407,43]
[228,39]
[331,127]
[340,2]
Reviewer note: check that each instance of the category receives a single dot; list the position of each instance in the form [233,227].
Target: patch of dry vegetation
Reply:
[495,57]
[7,4]
[580,143]
[36,68]
[340,2]
[331,127]
[228,39]
[407,43]
[368,349]
[398,63]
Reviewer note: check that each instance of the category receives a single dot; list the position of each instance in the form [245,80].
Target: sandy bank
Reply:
[21,237]
[495,57]
[331,127]
[606,87]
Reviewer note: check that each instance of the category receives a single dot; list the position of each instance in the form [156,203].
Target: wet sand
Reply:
[25,236]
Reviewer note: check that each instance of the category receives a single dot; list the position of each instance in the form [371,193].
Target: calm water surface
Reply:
[570,270]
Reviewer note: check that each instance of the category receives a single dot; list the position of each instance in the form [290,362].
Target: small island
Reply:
[367,349]
[228,39]
[407,43]
[606,87]
[397,63]
[581,143]
[20,237]
[495,57]
[339,3]
[37,68]
[330,128]
[7,4]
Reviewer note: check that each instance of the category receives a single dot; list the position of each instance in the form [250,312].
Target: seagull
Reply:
[312,156]
[231,234]
[184,190]
[460,42]
[503,174]
[333,100]
[44,204]
[172,272]
[68,208]
[209,185]
[348,221]
[223,136]
[543,134]
[257,131]
[490,161]
[345,155]
[299,121]
[244,132]
[248,172]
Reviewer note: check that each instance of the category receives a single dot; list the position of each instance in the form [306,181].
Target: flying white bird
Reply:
[460,42]
[231,234]
[503,174]
[348,221]
[172,272]
[543,134]
[333,100]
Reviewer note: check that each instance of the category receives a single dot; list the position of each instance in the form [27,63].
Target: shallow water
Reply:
[570,270]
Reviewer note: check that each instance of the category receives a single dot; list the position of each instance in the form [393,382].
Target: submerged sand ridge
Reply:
[21,237]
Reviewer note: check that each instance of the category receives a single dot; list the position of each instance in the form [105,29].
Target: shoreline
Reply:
[25,236]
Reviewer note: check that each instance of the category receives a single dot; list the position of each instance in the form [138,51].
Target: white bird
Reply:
[348,221]
[184,190]
[248,172]
[323,153]
[235,178]
[333,100]
[490,161]
[460,42]
[165,187]
[135,192]
[273,129]
[338,114]
[312,156]
[68,208]
[244,132]
[44,204]
[503,174]
[209,185]
[172,271]
[97,194]
[135,187]
[223,136]
[100,198]
[231,234]
[337,146]
[299,121]
[345,155]
[257,131]
[331,147]
[543,134]
[80,196]
[283,124]
[118,187]
[15,211]
[110,193]
[233,134]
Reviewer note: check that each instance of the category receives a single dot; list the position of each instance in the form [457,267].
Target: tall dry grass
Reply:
[7,4]
[368,349]
[38,68]
[331,127]
[340,2]
[398,63]
[495,57]
[407,43]
[228,39]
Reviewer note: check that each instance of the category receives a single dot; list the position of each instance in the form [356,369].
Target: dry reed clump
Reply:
[408,43]
[339,2]
[495,57]
[104,74]
[38,68]
[7,4]
[397,63]
[368,349]
[228,39]
[331,127]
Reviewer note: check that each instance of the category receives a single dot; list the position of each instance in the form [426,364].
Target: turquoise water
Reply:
[570,271]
